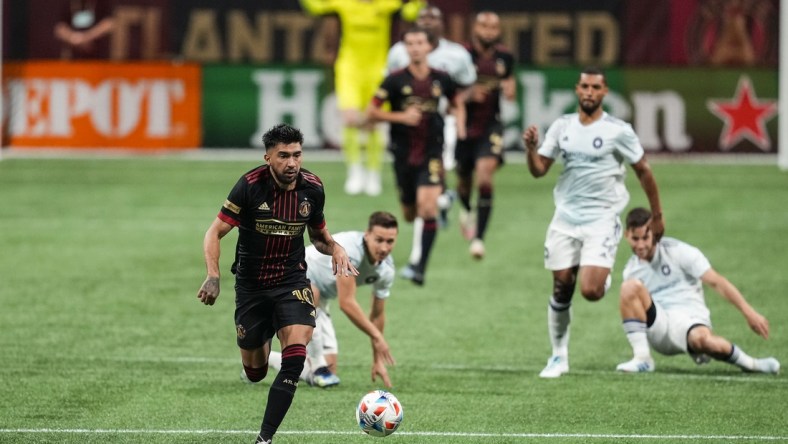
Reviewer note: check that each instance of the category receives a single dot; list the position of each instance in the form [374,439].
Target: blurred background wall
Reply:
[691,75]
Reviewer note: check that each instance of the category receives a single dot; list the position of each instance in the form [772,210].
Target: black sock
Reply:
[282,390]
[255,374]
[428,235]
[465,200]
[484,208]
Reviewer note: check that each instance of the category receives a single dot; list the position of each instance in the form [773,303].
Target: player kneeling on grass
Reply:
[370,252]
[662,303]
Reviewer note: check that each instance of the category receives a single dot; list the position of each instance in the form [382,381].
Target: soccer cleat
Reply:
[556,366]
[477,249]
[467,224]
[260,440]
[373,186]
[412,273]
[636,365]
[323,378]
[767,365]
[355,180]
[408,272]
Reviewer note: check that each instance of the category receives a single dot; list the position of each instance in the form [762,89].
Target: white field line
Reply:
[743,378]
[403,433]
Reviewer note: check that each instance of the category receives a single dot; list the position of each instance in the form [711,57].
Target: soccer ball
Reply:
[379,413]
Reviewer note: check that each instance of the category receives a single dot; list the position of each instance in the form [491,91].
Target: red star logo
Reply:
[745,117]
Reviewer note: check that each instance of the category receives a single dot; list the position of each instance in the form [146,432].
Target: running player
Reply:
[481,153]
[273,205]
[583,236]
[417,135]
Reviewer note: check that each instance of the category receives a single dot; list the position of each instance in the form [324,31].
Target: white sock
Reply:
[275,362]
[415,249]
[638,339]
[314,350]
[559,316]
[741,359]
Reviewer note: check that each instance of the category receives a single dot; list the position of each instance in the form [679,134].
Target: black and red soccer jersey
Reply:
[271,224]
[490,70]
[402,89]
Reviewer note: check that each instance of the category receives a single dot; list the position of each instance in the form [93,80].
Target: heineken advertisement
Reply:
[672,110]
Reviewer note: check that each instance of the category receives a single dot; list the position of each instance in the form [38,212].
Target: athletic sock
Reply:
[465,201]
[483,210]
[282,390]
[559,316]
[637,337]
[741,359]
[415,249]
[427,241]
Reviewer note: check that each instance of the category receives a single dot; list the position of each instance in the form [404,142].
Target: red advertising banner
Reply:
[102,105]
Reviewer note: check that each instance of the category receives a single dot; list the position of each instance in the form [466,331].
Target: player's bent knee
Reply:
[255,375]
[630,289]
[593,293]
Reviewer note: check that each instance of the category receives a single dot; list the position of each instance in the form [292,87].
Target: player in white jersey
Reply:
[370,253]
[662,303]
[584,233]
[455,60]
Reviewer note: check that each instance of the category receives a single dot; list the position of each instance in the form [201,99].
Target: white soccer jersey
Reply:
[591,185]
[673,277]
[449,56]
[380,276]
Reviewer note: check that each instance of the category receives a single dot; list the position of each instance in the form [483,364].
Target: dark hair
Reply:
[382,219]
[594,71]
[282,133]
[638,217]
[418,29]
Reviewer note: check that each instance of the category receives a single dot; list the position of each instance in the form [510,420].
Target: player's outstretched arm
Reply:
[209,290]
[325,244]
[318,7]
[372,327]
[649,185]
[726,289]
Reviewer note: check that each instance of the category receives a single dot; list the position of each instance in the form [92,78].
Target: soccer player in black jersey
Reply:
[417,134]
[481,153]
[272,205]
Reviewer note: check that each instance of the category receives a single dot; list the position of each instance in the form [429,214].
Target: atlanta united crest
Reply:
[305,208]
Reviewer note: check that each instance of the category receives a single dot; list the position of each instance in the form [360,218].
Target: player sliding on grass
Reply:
[662,303]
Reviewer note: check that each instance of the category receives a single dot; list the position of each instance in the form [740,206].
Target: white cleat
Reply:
[556,366]
[636,365]
[354,184]
[767,365]
[373,186]
[477,249]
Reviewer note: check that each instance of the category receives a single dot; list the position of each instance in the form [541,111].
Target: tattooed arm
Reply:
[209,290]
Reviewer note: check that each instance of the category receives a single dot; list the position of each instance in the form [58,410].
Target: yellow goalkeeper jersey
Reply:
[366,27]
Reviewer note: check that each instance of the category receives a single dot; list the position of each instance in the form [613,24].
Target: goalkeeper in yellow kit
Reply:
[358,71]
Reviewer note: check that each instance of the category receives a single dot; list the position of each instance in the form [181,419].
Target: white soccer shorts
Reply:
[594,244]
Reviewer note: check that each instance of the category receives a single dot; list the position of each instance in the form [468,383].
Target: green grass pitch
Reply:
[102,338]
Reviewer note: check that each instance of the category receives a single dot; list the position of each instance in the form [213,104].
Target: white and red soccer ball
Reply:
[379,413]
